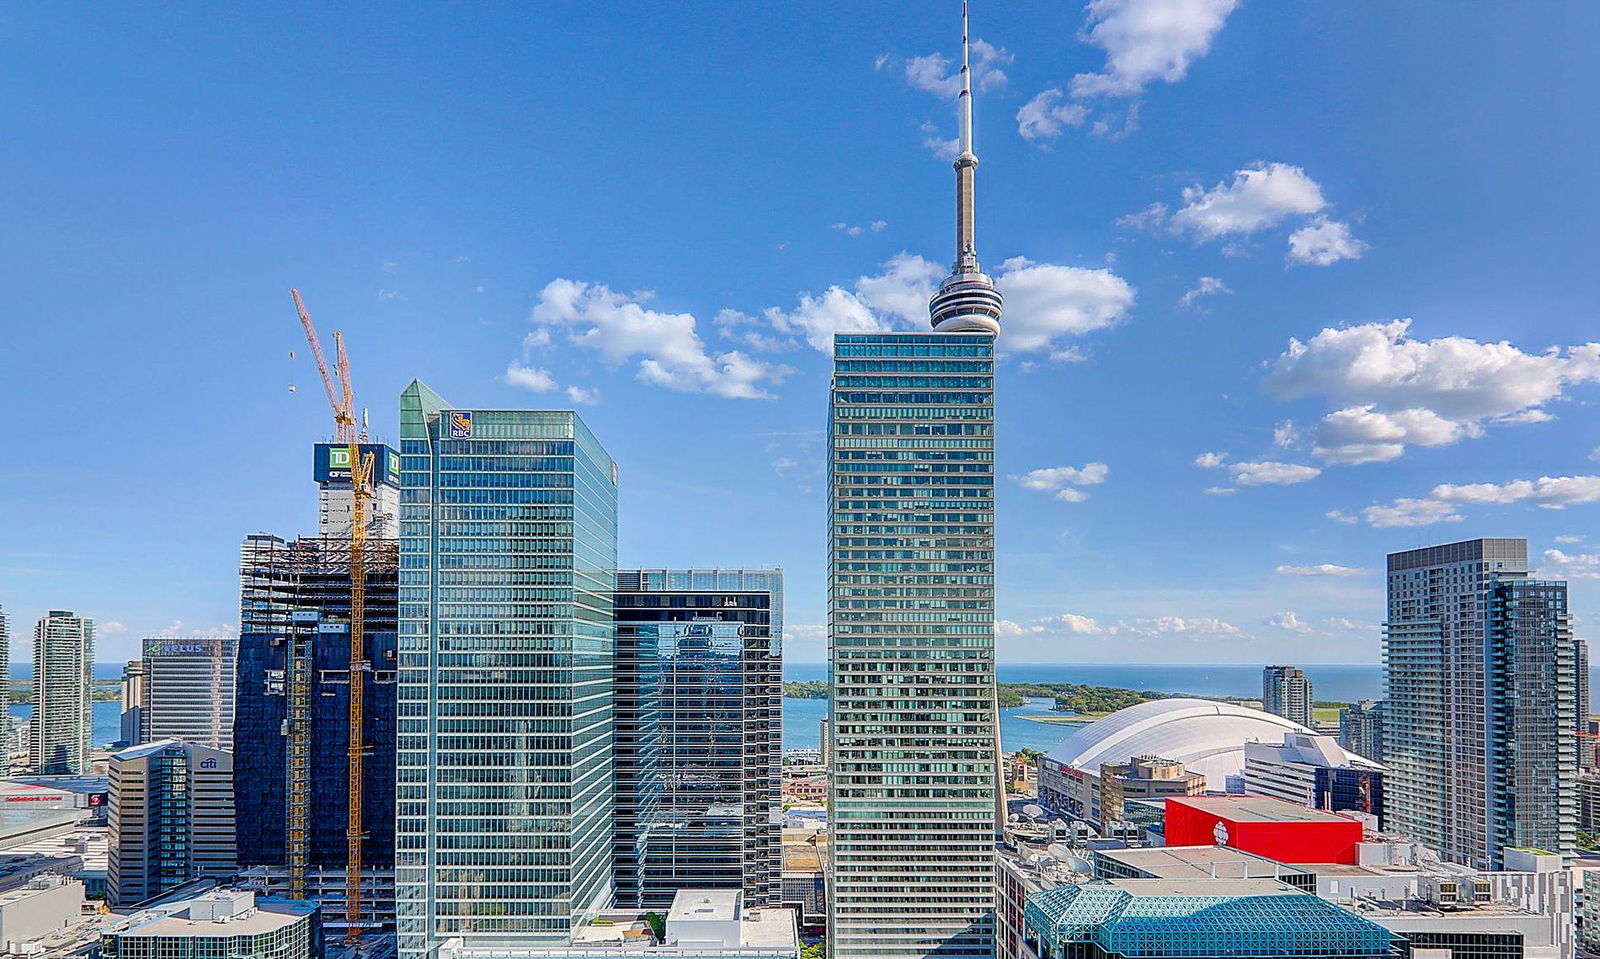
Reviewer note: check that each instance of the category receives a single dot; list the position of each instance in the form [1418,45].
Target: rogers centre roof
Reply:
[1206,736]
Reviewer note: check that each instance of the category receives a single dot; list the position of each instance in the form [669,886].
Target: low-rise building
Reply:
[1589,803]
[83,855]
[23,824]
[1193,918]
[805,887]
[45,905]
[221,924]
[1197,862]
[1314,771]
[1144,777]
[1279,830]
[702,924]
[1530,906]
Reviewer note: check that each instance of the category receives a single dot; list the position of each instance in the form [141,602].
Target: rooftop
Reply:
[704,905]
[180,920]
[1209,917]
[1197,862]
[1258,809]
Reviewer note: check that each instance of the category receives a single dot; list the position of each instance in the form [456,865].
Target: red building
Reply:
[1272,828]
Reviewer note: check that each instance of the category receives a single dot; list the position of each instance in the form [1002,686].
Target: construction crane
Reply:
[342,400]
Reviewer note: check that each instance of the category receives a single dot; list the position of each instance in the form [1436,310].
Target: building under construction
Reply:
[291,724]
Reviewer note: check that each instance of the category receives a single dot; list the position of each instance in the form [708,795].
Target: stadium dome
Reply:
[1207,737]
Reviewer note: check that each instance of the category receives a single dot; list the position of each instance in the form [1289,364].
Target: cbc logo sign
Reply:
[1220,833]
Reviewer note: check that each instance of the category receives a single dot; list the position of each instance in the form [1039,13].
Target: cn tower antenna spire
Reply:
[966,86]
[967,300]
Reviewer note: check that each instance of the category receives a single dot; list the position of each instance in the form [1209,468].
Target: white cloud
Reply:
[1285,435]
[1362,434]
[667,346]
[1322,569]
[941,147]
[1340,516]
[583,396]
[1063,480]
[1208,286]
[1339,622]
[1151,217]
[1045,117]
[1044,301]
[1260,196]
[1323,242]
[1148,40]
[1289,621]
[940,75]
[1408,512]
[1079,625]
[1259,472]
[538,339]
[805,631]
[388,296]
[1569,539]
[110,626]
[1571,565]
[529,378]
[1391,391]
[1163,625]
[1271,473]
[1069,354]
[1221,490]
[849,230]
[1551,492]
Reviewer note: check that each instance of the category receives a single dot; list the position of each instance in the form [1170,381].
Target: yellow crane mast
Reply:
[342,400]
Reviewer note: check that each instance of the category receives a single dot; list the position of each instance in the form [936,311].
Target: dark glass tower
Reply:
[298,592]
[699,731]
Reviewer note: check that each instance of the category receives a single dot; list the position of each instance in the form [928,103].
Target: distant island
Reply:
[1077,702]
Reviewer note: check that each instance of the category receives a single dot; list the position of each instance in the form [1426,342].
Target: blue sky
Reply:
[1343,253]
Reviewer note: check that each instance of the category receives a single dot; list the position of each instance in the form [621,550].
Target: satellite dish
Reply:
[1033,811]
[1059,851]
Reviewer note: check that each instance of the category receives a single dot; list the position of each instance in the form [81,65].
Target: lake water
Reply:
[107,720]
[1340,683]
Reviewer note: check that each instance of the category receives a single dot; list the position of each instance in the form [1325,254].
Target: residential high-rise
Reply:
[295,610]
[914,774]
[132,703]
[6,732]
[1286,692]
[1480,675]
[188,690]
[1581,669]
[508,543]
[699,734]
[172,818]
[1361,728]
[63,652]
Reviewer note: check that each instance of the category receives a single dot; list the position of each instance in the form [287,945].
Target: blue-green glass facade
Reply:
[508,531]
[911,639]
[1157,919]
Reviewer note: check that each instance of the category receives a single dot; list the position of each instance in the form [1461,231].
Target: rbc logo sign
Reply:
[460,424]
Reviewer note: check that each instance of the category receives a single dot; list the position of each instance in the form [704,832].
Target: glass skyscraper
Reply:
[911,631]
[63,653]
[508,545]
[1480,674]
[914,779]
[699,717]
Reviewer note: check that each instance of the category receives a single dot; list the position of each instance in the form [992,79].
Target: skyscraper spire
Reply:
[967,301]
